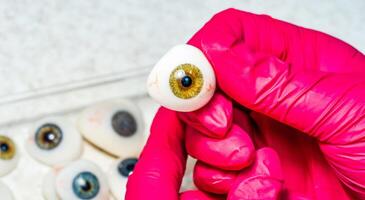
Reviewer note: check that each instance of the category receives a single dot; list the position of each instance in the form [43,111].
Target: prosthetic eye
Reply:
[114,126]
[118,175]
[9,155]
[79,180]
[48,136]
[85,185]
[183,80]
[54,141]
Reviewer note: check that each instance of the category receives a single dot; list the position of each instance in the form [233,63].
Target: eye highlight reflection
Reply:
[186,81]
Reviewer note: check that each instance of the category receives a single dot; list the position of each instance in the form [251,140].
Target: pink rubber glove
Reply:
[297,91]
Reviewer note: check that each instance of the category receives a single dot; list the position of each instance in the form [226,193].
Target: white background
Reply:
[47,42]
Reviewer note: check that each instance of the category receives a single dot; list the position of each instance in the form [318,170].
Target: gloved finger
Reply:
[307,171]
[214,180]
[159,171]
[263,180]
[326,106]
[305,100]
[214,119]
[234,152]
[348,160]
[199,195]
[285,72]
[301,47]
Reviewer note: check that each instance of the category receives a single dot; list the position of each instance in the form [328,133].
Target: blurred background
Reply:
[48,47]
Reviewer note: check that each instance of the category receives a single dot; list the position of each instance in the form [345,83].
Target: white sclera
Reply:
[117,182]
[5,192]
[158,81]
[7,166]
[64,179]
[187,182]
[69,149]
[95,124]
[49,187]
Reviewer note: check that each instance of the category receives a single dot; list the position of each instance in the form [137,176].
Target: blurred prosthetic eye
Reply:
[5,192]
[48,136]
[54,141]
[79,180]
[114,126]
[118,175]
[183,80]
[9,155]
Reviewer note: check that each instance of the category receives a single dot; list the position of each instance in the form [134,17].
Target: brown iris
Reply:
[48,136]
[7,148]
[186,81]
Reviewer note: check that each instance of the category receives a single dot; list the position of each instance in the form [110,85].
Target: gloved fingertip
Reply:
[212,179]
[268,163]
[199,195]
[234,152]
[214,119]
[257,188]
[263,180]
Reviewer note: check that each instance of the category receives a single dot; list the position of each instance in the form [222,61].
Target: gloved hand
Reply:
[294,94]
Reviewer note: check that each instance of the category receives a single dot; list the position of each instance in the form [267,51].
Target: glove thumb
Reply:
[160,169]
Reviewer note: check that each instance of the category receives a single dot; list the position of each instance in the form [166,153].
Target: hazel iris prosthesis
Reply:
[182,80]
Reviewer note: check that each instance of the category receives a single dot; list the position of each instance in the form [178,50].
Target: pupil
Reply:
[49,137]
[85,186]
[130,167]
[4,147]
[124,123]
[186,81]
